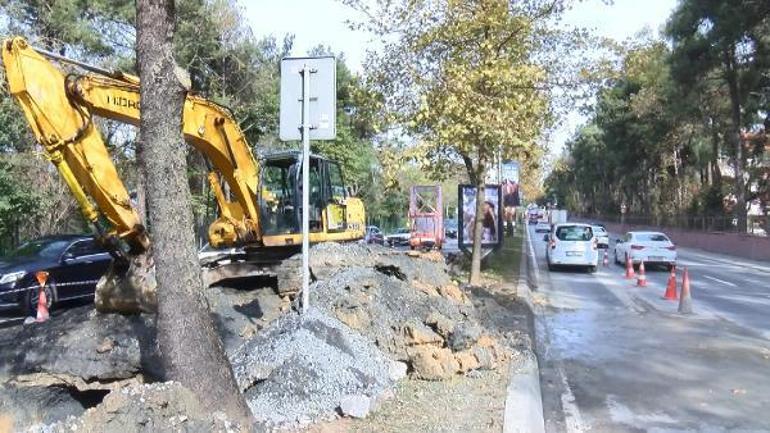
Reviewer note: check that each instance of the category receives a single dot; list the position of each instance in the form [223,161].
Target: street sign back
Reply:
[323,97]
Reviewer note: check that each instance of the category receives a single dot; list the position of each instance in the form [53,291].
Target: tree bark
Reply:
[191,351]
[737,121]
[478,226]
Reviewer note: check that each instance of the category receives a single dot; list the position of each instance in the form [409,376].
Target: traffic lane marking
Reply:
[718,280]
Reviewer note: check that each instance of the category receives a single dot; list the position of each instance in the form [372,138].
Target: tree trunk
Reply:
[191,351]
[737,121]
[478,226]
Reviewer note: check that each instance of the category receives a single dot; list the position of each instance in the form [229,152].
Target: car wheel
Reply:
[31,297]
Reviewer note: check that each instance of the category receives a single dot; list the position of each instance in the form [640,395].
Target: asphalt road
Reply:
[618,358]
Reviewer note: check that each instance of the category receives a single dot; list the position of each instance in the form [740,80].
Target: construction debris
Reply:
[377,316]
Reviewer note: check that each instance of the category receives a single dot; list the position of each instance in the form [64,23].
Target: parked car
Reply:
[450,228]
[602,236]
[374,235]
[74,264]
[653,248]
[399,238]
[542,227]
[209,255]
[572,244]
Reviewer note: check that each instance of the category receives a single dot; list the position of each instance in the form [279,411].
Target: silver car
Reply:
[602,236]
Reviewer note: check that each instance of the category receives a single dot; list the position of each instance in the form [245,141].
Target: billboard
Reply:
[492,218]
[510,171]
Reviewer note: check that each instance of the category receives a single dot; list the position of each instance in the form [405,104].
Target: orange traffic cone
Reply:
[671,286]
[629,268]
[42,301]
[606,261]
[642,280]
[685,301]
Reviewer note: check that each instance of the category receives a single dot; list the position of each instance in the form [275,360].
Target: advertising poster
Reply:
[492,218]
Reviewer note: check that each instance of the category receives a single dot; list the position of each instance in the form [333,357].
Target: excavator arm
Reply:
[59,108]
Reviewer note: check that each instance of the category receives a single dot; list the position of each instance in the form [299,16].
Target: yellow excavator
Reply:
[259,209]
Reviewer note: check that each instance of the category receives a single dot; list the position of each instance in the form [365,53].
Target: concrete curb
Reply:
[524,402]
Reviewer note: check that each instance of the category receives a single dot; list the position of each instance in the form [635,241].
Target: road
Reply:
[619,358]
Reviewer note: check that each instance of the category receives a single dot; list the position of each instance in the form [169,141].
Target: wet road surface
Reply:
[618,358]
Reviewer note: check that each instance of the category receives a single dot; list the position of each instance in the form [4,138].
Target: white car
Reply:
[602,236]
[209,255]
[648,247]
[399,238]
[542,227]
[572,244]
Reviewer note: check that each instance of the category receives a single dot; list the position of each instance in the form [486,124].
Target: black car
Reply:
[74,263]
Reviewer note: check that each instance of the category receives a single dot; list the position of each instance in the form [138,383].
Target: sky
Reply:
[315,22]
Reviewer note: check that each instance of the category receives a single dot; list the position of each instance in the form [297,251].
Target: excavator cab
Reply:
[334,215]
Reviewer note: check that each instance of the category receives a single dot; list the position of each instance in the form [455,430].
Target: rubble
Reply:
[376,316]
[300,368]
[407,304]
[148,408]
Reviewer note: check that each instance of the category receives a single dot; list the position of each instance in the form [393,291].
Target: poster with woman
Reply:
[491,219]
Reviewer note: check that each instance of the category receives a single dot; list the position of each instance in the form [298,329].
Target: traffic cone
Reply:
[606,261]
[671,286]
[42,301]
[642,280]
[629,269]
[685,301]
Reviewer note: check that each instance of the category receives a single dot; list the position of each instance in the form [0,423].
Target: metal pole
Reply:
[305,188]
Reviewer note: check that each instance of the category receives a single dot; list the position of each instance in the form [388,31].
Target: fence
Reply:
[757,225]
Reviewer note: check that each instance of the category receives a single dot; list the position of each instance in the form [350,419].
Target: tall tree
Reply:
[729,38]
[191,350]
[467,79]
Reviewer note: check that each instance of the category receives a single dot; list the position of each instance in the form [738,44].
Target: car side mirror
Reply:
[67,257]
[545,238]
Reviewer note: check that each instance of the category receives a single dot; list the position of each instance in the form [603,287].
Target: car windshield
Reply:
[599,230]
[574,233]
[49,248]
[651,237]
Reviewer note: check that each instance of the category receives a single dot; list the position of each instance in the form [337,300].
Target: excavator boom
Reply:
[59,109]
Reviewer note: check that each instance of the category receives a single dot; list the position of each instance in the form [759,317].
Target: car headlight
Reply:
[12,277]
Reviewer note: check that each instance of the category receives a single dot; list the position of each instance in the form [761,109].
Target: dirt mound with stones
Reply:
[407,304]
[304,368]
[147,408]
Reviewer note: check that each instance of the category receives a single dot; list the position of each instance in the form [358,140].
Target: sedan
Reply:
[374,235]
[74,264]
[602,236]
[649,247]
[399,238]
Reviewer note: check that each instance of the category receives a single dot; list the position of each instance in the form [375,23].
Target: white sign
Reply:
[323,97]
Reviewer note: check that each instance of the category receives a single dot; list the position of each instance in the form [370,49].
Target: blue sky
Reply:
[316,22]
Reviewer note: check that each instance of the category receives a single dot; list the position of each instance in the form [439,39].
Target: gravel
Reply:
[298,370]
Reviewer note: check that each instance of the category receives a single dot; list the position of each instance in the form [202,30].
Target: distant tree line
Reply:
[680,126]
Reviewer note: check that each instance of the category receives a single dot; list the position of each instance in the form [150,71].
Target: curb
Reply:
[523,401]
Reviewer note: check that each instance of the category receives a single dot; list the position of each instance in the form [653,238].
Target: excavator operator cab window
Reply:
[336,184]
[277,197]
[281,196]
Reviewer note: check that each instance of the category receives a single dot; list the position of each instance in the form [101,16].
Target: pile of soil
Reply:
[407,304]
[146,408]
[377,314]
[301,368]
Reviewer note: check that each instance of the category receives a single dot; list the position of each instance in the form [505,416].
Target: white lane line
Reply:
[572,419]
[727,283]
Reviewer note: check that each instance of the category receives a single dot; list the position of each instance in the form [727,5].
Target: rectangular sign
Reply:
[491,220]
[323,97]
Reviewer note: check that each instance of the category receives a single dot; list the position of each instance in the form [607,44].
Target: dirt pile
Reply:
[302,369]
[407,304]
[158,407]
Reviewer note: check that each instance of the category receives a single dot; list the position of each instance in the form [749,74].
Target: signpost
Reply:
[308,110]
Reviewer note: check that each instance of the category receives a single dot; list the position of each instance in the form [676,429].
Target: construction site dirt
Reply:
[385,327]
